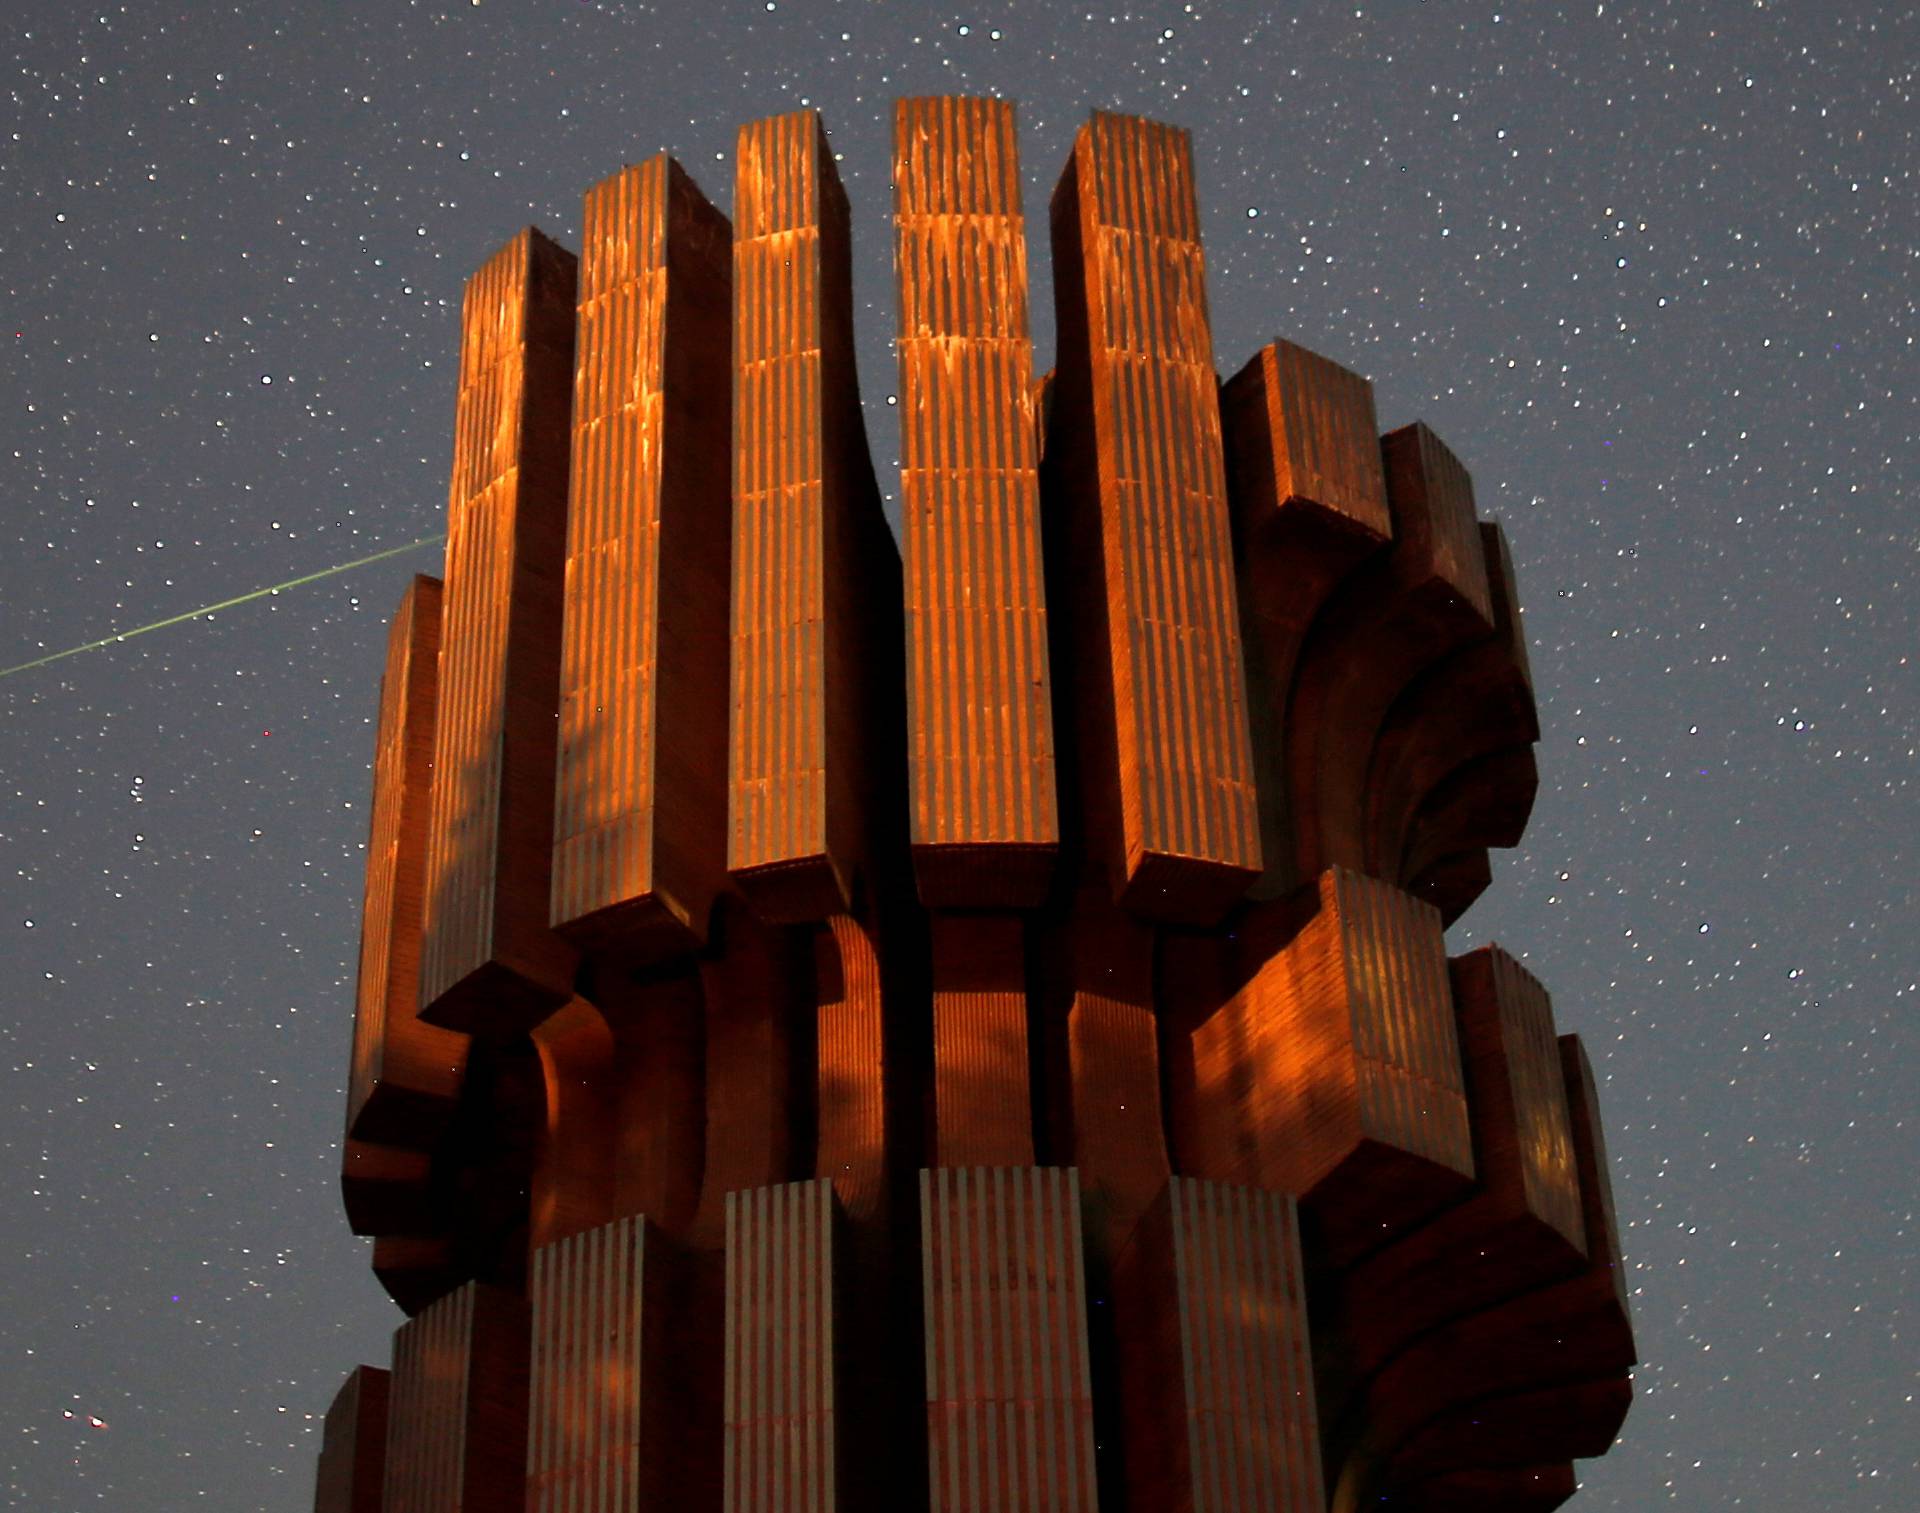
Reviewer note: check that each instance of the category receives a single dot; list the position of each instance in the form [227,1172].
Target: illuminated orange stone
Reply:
[965,1027]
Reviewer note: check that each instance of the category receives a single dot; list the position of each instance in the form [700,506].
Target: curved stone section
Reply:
[388,1190]
[1425,597]
[1550,1350]
[405,1075]
[1470,705]
[1309,505]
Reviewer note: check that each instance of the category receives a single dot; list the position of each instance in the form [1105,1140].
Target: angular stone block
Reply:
[1521,1227]
[1568,1334]
[1111,1119]
[611,1428]
[1336,1067]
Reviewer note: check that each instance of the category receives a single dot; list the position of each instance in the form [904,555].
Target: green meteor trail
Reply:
[208,609]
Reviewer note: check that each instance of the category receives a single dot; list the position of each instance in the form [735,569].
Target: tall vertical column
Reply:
[981,757]
[784,1343]
[405,1074]
[984,828]
[490,964]
[640,802]
[1217,1368]
[1009,1391]
[1165,756]
[457,1409]
[614,1425]
[816,577]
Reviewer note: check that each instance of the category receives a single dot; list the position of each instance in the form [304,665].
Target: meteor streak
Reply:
[208,609]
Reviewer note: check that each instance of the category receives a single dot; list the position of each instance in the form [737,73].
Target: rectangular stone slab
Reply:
[1218,1372]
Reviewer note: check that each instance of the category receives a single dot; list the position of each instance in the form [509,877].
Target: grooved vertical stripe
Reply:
[588,1295]
[981,754]
[1549,1173]
[636,811]
[396,1058]
[982,1102]
[1252,1426]
[1009,1399]
[1184,760]
[427,1408]
[609,713]
[779,1394]
[1405,1044]
[498,662]
[779,733]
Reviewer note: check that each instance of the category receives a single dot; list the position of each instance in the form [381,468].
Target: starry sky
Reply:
[1650,270]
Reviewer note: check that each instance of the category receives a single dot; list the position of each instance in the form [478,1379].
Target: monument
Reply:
[963,1025]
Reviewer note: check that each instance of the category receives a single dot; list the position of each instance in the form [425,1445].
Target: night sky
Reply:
[1649,270]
